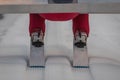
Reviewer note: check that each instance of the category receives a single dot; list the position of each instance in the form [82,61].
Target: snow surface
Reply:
[103,49]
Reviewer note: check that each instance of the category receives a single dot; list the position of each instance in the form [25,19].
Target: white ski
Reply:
[80,57]
[37,58]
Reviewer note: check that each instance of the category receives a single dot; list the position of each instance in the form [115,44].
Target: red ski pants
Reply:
[80,21]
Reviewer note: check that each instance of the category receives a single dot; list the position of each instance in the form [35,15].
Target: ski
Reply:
[80,57]
[37,58]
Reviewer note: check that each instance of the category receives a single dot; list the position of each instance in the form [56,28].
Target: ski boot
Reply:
[80,39]
[37,38]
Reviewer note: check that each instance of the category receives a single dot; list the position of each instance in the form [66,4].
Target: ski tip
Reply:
[37,66]
[80,66]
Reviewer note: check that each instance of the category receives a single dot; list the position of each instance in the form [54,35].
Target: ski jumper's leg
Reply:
[81,23]
[36,22]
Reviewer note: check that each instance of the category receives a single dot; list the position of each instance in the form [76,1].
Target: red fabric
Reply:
[80,21]
[59,16]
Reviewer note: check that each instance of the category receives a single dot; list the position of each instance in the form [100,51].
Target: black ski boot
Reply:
[37,39]
[80,39]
